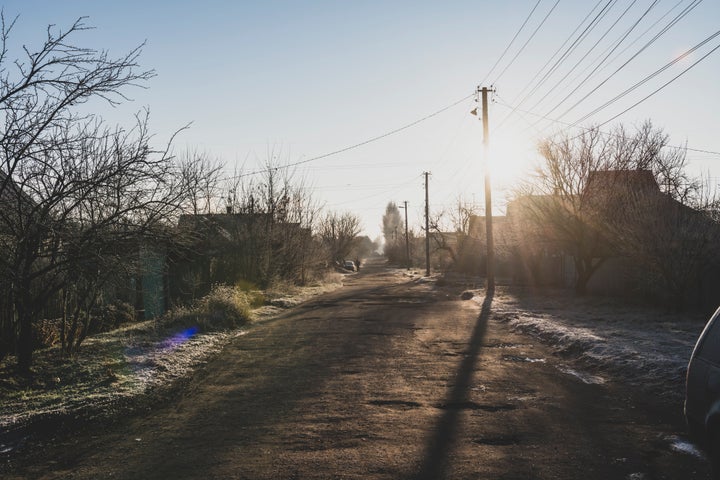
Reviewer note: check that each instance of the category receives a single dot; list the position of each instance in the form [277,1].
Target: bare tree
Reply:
[393,229]
[264,235]
[453,245]
[73,190]
[339,233]
[286,216]
[568,199]
[201,179]
[672,242]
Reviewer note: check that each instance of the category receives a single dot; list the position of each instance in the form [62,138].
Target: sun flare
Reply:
[512,156]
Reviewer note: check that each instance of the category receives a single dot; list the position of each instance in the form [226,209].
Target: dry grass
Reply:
[114,370]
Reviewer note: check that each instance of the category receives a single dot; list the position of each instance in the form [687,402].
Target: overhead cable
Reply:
[527,41]
[569,51]
[673,22]
[545,66]
[357,145]
[574,125]
[662,87]
[648,77]
[617,45]
[511,42]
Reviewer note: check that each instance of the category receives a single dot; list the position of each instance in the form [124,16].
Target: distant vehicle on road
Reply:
[349,265]
[702,392]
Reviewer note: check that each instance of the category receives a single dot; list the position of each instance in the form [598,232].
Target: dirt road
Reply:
[387,378]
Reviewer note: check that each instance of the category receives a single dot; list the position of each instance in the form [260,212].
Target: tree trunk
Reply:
[25,341]
[583,277]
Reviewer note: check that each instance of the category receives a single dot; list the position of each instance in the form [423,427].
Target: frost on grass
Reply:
[639,345]
[112,369]
[116,369]
[284,296]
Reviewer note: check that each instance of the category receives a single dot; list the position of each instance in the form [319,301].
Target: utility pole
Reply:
[490,262]
[407,240]
[427,227]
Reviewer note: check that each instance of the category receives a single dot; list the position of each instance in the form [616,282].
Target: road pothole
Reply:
[506,345]
[475,406]
[522,359]
[500,440]
[403,404]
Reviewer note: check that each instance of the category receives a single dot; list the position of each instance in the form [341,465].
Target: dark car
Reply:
[349,265]
[702,391]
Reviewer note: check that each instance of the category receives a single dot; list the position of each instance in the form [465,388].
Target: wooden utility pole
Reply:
[427,226]
[407,240]
[490,261]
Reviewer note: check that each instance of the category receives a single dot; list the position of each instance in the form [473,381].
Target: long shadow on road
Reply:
[267,407]
[440,445]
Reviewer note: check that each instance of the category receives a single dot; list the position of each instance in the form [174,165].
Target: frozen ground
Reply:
[116,371]
[600,339]
[638,345]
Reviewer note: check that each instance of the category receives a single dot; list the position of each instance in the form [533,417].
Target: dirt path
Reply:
[386,378]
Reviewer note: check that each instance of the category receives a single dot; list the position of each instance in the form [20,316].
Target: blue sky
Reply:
[305,78]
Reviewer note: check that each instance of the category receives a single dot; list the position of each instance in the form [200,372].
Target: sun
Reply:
[512,155]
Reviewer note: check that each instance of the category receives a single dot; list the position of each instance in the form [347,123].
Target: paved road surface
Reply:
[386,378]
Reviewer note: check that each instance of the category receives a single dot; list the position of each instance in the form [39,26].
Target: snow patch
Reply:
[639,345]
[582,376]
[684,446]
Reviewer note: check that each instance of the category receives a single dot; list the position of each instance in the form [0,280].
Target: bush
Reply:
[46,333]
[110,317]
[225,307]
[255,297]
[118,314]
[281,288]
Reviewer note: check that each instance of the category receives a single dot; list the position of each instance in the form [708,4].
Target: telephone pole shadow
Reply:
[435,460]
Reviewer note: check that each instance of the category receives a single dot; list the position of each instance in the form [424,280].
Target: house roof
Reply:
[607,181]
[11,193]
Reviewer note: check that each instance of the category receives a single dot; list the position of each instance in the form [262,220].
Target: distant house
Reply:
[538,255]
[232,247]
[503,242]
[15,204]
[604,184]
[625,223]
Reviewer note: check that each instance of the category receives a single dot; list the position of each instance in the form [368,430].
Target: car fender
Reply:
[712,419]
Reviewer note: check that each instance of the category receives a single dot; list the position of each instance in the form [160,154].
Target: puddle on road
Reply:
[582,376]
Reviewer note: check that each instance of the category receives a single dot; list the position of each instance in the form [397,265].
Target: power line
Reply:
[631,44]
[357,145]
[617,45]
[573,125]
[511,42]
[526,42]
[648,78]
[661,87]
[387,193]
[673,22]
[569,51]
[551,70]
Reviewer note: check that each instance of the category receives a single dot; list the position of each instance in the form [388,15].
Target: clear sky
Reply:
[306,78]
